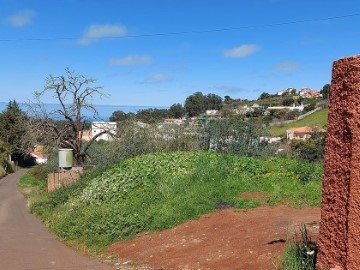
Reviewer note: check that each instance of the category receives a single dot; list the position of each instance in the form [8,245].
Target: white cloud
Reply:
[95,32]
[242,51]
[132,60]
[233,89]
[157,78]
[286,66]
[230,89]
[21,18]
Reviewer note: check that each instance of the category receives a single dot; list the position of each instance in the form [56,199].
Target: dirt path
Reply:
[25,244]
[225,240]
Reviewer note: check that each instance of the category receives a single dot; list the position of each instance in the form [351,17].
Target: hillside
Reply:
[159,191]
[318,118]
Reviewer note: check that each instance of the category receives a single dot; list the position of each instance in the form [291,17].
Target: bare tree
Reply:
[65,125]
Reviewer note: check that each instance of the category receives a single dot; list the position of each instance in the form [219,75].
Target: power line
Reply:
[189,32]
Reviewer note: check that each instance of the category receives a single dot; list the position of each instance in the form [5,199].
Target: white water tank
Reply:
[65,158]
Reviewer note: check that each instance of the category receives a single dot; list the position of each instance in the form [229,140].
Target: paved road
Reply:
[25,244]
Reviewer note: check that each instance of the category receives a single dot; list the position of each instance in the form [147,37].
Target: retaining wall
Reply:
[61,178]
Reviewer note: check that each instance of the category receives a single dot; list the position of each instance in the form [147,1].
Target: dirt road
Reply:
[25,244]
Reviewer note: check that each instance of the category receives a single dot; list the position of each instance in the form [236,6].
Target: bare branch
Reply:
[74,94]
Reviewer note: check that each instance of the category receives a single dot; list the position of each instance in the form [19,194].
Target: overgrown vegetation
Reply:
[221,135]
[312,149]
[157,191]
[300,252]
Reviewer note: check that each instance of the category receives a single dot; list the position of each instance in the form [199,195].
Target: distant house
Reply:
[85,135]
[270,139]
[99,127]
[288,90]
[302,133]
[38,155]
[289,108]
[142,124]
[174,121]
[244,109]
[308,93]
[213,113]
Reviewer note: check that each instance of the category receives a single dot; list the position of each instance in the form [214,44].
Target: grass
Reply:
[158,191]
[34,181]
[300,252]
[318,118]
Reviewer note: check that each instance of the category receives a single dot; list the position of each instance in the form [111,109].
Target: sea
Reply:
[105,111]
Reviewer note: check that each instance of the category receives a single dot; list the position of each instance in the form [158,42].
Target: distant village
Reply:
[286,106]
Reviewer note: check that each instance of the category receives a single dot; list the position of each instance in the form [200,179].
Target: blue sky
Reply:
[113,42]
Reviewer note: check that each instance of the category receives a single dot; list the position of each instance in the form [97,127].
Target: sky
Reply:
[158,52]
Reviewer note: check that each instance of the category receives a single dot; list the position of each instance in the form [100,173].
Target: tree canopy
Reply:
[198,103]
[13,129]
[264,95]
[118,116]
[325,91]
[177,110]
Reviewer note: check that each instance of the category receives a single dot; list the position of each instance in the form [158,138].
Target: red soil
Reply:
[228,239]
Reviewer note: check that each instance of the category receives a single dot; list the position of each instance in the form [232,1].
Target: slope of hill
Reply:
[318,118]
[159,191]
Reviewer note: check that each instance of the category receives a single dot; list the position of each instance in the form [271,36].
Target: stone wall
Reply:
[339,240]
[61,178]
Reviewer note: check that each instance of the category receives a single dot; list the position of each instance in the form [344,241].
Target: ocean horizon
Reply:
[105,111]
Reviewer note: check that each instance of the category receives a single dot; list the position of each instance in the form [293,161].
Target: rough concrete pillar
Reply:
[339,240]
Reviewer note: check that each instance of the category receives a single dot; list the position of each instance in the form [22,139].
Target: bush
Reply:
[310,150]
[237,137]
[310,106]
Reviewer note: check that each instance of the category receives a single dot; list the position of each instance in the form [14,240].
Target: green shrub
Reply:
[310,150]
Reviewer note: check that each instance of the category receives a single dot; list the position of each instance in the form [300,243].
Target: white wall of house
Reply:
[98,127]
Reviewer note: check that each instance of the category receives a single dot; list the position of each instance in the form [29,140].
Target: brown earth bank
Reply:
[225,240]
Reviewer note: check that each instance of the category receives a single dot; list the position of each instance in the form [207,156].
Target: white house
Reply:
[98,127]
[212,113]
[288,90]
[290,108]
[270,139]
[38,155]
